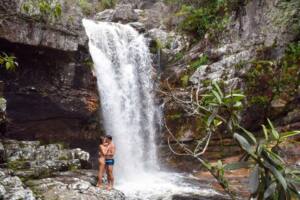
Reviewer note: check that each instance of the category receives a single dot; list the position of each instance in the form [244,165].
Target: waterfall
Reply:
[124,72]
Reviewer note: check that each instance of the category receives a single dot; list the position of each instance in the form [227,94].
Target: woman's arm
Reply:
[103,150]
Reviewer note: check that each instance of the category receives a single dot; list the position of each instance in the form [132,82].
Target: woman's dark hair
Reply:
[102,139]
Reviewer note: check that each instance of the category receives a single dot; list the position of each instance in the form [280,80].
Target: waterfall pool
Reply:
[166,186]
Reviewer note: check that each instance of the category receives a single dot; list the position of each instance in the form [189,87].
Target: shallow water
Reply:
[165,186]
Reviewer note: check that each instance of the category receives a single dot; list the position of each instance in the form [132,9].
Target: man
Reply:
[109,161]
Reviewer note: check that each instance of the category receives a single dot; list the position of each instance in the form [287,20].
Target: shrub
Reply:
[203,60]
[205,16]
[106,4]
[86,7]
[46,10]
[271,177]
[8,62]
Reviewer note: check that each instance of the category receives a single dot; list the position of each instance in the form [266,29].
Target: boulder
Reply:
[12,188]
[106,15]
[124,13]
[140,27]
[29,159]
[68,186]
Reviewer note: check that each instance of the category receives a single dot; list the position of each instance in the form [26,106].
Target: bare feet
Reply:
[109,188]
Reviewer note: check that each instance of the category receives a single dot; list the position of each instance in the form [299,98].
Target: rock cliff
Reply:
[53,94]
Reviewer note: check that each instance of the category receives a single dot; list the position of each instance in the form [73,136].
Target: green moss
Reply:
[73,167]
[178,56]
[16,165]
[184,80]
[63,158]
[86,7]
[175,116]
[106,4]
[259,100]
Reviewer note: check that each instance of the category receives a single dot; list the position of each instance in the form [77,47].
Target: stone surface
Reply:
[52,95]
[66,187]
[30,159]
[124,13]
[12,188]
[45,172]
[65,33]
[106,15]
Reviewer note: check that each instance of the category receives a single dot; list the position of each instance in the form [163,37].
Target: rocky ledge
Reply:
[30,170]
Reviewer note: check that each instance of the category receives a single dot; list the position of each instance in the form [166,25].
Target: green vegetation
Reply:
[8,62]
[205,16]
[106,4]
[46,10]
[178,56]
[203,60]
[270,79]
[86,7]
[16,165]
[271,177]
[184,80]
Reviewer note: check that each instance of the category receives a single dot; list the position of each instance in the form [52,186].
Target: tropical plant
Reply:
[8,62]
[106,4]
[46,10]
[271,177]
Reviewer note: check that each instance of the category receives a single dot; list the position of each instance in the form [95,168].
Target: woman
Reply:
[103,147]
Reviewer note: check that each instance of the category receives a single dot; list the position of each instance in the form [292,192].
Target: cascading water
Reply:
[123,68]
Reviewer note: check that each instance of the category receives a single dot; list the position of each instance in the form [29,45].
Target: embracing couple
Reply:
[106,161]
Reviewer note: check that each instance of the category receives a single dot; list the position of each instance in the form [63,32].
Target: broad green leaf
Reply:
[215,84]
[250,135]
[236,165]
[243,142]
[265,131]
[254,180]
[294,190]
[235,97]
[217,96]
[210,119]
[289,134]
[217,122]
[270,190]
[8,65]
[272,160]
[276,174]
[274,132]
[274,155]
[238,104]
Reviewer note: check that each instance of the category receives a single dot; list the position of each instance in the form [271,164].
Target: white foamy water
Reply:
[122,65]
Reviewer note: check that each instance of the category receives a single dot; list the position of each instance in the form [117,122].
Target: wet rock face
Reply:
[53,93]
[51,96]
